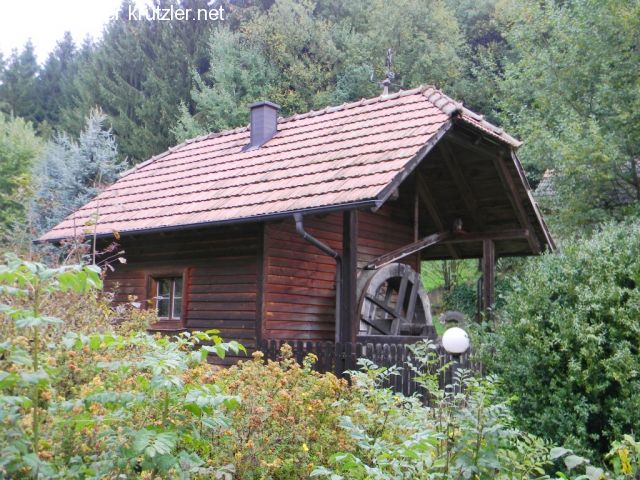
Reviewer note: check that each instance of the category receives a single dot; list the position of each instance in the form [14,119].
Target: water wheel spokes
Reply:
[393,302]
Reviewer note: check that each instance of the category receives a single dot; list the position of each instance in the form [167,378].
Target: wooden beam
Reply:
[413,163]
[464,142]
[446,238]
[407,250]
[429,203]
[523,178]
[516,201]
[347,329]
[453,165]
[496,236]
[488,275]
[416,215]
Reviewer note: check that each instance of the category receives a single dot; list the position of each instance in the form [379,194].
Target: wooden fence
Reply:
[392,351]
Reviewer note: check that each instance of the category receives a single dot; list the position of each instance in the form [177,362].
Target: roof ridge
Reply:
[437,97]
[442,101]
[308,114]
[347,106]
[452,107]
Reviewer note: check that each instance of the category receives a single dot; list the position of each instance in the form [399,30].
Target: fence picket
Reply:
[340,357]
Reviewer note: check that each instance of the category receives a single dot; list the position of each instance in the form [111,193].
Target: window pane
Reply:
[163,307]
[177,308]
[177,285]
[164,287]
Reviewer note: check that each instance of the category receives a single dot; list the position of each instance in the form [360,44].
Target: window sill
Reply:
[167,326]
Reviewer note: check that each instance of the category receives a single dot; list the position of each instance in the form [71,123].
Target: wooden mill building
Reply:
[314,226]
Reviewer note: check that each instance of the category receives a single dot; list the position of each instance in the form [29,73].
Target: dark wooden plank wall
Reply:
[221,273]
[383,231]
[299,289]
[295,298]
[126,284]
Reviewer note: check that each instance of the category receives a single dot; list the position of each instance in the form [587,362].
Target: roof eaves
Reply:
[478,120]
[536,209]
[371,203]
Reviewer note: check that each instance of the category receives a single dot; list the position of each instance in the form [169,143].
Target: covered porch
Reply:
[467,198]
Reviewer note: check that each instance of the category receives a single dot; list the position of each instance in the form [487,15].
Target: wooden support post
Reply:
[348,324]
[488,275]
[495,235]
[416,215]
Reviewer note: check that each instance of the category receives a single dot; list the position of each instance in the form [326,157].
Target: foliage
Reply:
[287,421]
[140,72]
[308,54]
[101,405]
[464,431]
[448,273]
[54,84]
[19,147]
[624,456]
[569,87]
[567,346]
[129,405]
[462,298]
[18,84]
[70,173]
[240,74]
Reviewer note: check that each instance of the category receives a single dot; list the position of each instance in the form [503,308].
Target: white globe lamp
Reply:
[455,340]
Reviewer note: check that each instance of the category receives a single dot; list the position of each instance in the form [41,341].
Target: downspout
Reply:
[332,253]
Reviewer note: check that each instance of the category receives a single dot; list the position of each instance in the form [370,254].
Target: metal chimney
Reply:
[264,123]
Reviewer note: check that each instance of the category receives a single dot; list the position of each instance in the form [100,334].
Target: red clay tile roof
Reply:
[337,157]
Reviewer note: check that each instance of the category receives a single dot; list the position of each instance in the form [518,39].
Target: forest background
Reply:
[561,75]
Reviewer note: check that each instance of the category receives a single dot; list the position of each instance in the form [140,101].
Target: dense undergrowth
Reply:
[89,396]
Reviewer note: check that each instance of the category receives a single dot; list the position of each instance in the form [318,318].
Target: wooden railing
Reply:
[383,351]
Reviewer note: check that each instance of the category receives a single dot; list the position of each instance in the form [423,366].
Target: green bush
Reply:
[288,418]
[568,344]
[129,405]
[100,405]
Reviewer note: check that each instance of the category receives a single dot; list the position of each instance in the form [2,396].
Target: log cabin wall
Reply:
[383,231]
[299,288]
[220,269]
[256,281]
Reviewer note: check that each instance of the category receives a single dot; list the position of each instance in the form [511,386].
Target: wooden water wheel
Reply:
[393,302]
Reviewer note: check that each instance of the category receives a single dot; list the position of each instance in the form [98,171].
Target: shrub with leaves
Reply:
[462,432]
[288,418]
[111,405]
[567,347]
[101,405]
